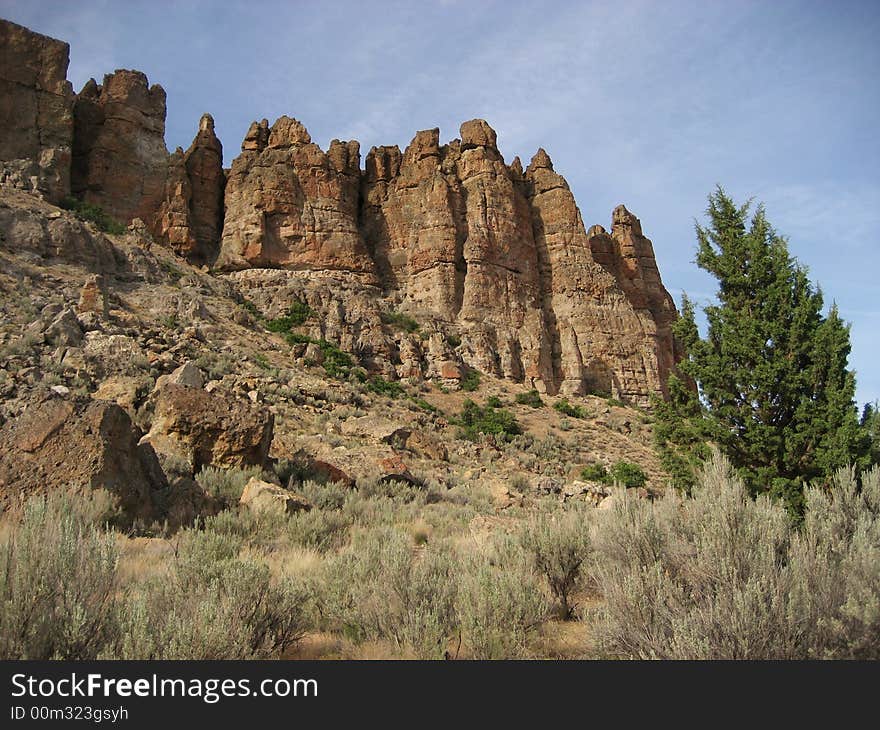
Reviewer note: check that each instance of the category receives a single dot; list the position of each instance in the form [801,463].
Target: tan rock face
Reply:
[81,445]
[36,111]
[209,429]
[455,237]
[119,155]
[290,205]
[493,262]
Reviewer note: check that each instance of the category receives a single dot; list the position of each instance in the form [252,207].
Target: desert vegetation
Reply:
[390,570]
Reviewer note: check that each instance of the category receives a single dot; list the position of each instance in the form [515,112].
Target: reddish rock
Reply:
[78,445]
[200,429]
[324,471]
[36,112]
[394,469]
[119,155]
[290,205]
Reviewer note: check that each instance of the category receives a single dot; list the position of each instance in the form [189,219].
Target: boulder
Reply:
[209,429]
[427,445]
[324,471]
[264,497]
[80,445]
[394,469]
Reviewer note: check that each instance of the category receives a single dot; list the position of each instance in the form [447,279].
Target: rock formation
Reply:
[494,263]
[290,205]
[97,445]
[453,236]
[36,112]
[119,155]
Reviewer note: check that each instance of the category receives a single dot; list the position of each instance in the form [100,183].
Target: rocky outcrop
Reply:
[629,256]
[601,342]
[195,428]
[290,205]
[79,445]
[36,112]
[119,156]
[493,262]
[204,170]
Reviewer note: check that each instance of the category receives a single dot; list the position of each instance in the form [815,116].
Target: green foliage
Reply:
[475,420]
[57,580]
[567,409]
[595,473]
[389,388]
[93,214]
[500,604]
[775,392]
[400,321]
[724,576]
[379,589]
[425,406]
[337,363]
[248,306]
[319,529]
[214,605]
[453,340]
[871,427]
[532,398]
[471,381]
[627,474]
[493,401]
[297,315]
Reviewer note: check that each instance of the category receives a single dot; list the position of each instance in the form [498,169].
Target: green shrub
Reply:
[234,610]
[425,406]
[475,420]
[57,582]
[453,340]
[627,474]
[391,389]
[471,381]
[493,401]
[337,364]
[226,484]
[557,546]
[94,214]
[532,398]
[567,409]
[325,496]
[498,607]
[318,529]
[378,589]
[723,576]
[400,321]
[595,473]
[297,314]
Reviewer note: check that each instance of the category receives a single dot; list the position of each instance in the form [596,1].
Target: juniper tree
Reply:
[773,390]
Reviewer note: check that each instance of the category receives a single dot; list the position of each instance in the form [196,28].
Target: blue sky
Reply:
[647,103]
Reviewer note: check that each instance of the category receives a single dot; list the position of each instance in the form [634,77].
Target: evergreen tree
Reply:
[774,392]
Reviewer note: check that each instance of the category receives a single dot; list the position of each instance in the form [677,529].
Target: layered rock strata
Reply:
[492,262]
[36,112]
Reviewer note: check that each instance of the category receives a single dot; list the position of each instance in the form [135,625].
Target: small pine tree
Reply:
[773,388]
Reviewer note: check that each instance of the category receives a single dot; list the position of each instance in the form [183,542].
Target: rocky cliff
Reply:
[492,263]
[36,112]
